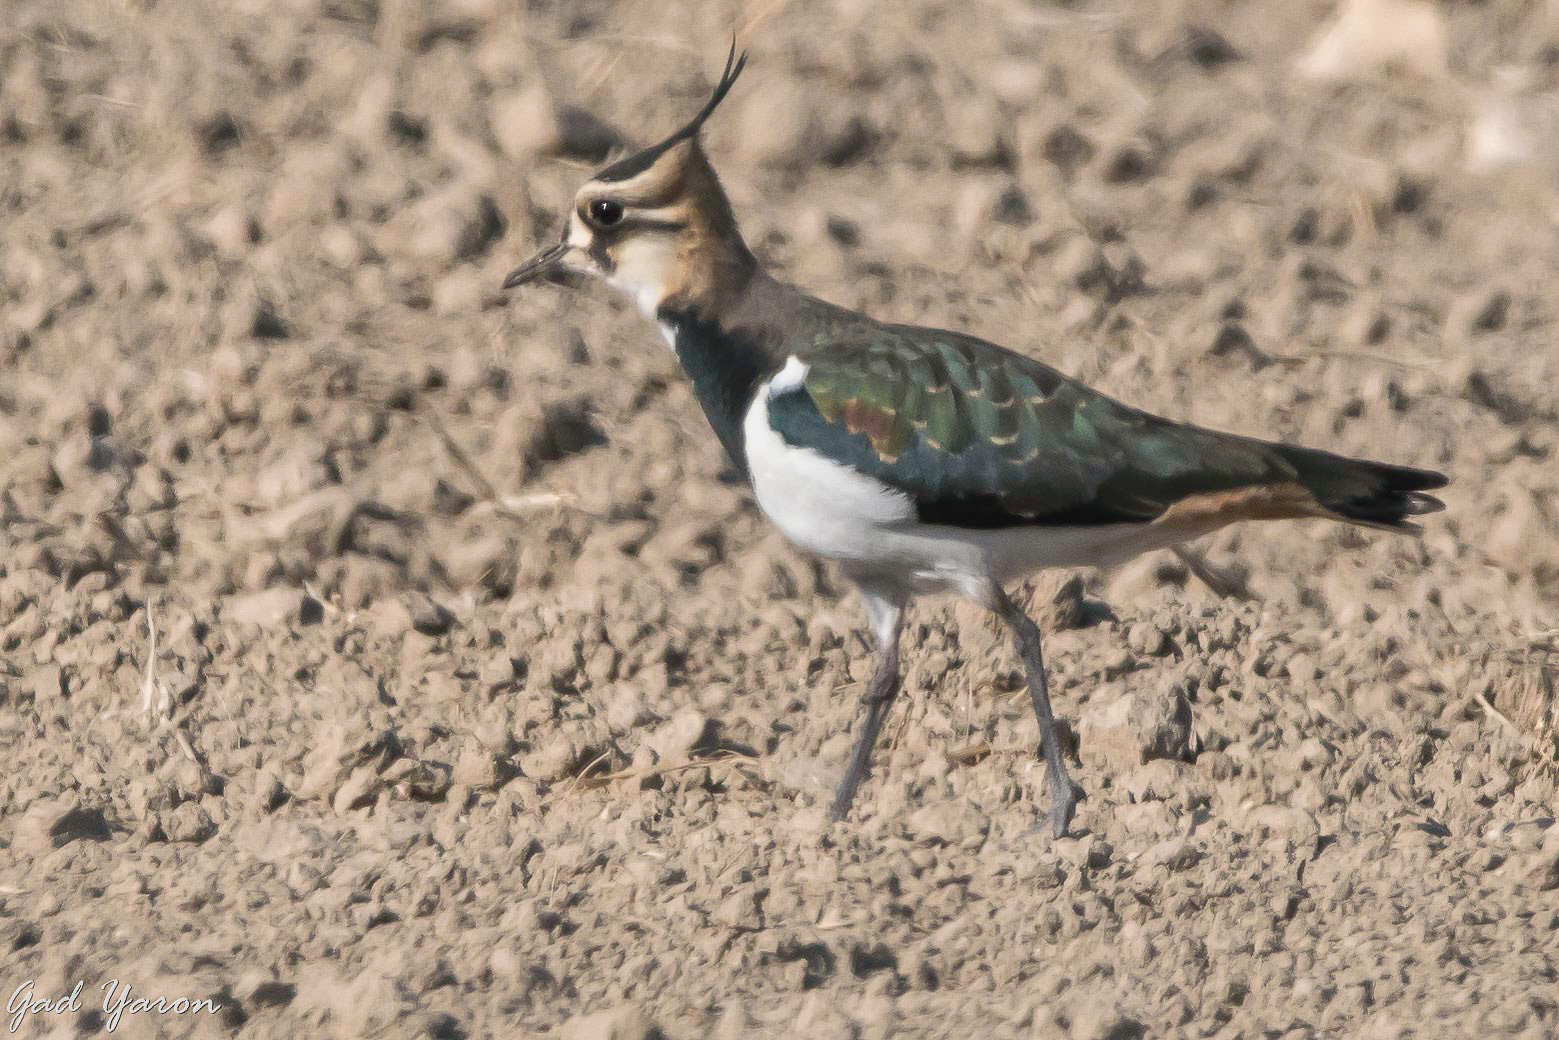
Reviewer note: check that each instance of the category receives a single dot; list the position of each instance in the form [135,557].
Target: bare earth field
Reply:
[380,657]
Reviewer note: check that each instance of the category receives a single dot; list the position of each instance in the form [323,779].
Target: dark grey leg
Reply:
[886,613]
[1064,794]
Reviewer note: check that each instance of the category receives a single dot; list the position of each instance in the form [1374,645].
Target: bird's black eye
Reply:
[605,212]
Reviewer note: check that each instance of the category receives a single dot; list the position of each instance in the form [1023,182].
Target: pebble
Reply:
[427,616]
[188,823]
[1139,727]
[53,823]
[273,608]
[1148,639]
[1175,853]
[47,682]
[675,740]
[477,767]
[624,1022]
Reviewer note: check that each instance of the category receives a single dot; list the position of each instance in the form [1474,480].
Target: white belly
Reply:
[839,513]
[822,506]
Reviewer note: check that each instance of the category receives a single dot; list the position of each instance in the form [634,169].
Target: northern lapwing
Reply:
[922,460]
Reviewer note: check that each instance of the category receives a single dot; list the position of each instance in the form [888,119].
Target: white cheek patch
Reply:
[643,269]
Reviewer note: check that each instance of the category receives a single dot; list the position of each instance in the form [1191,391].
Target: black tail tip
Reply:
[1416,503]
[1400,493]
[1404,478]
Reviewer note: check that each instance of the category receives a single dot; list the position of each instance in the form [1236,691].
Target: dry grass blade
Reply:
[1494,713]
[586,773]
[154,695]
[968,756]
[1223,582]
[458,455]
[512,507]
[724,758]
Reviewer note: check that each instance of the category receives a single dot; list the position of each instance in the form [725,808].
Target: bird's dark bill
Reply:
[546,265]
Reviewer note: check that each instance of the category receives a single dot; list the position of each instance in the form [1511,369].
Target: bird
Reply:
[924,461]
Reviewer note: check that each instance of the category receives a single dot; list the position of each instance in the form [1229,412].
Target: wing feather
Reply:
[978,436]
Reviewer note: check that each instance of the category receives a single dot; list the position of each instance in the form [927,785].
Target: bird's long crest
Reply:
[641,161]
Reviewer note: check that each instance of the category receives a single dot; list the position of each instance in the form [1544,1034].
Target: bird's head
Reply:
[655,225]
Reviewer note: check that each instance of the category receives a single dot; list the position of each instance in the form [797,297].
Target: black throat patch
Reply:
[726,367]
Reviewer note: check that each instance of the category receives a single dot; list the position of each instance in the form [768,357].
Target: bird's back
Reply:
[980,436]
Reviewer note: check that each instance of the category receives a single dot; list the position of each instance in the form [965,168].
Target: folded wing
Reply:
[980,437]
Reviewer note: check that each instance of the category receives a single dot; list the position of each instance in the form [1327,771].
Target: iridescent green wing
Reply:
[978,436]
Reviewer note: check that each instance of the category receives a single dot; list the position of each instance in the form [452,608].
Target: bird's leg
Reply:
[1064,794]
[886,613]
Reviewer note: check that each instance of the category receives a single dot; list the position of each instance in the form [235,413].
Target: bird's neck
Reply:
[727,355]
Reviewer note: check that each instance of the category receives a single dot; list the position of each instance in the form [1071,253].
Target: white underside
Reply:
[841,514]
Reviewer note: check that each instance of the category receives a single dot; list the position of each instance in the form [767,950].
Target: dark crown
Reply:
[637,163]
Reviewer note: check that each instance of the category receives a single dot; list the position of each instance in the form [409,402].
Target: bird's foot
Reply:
[1064,799]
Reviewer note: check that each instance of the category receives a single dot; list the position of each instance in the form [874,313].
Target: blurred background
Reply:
[344,600]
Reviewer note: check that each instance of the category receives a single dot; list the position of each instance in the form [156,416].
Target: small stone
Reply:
[1175,853]
[553,760]
[46,681]
[1302,668]
[388,618]
[261,990]
[1140,727]
[1546,874]
[503,963]
[477,768]
[1104,1020]
[1160,779]
[1099,853]
[269,792]
[419,779]
[1286,821]
[273,608]
[231,231]
[458,223]
[53,823]
[675,740]
[497,671]
[428,617]
[1147,639]
[358,790]
[1081,263]
[946,823]
[738,910]
[626,709]
[188,822]
[1314,754]
[808,774]
[626,1022]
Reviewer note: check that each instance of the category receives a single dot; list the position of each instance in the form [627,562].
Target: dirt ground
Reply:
[383,657]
